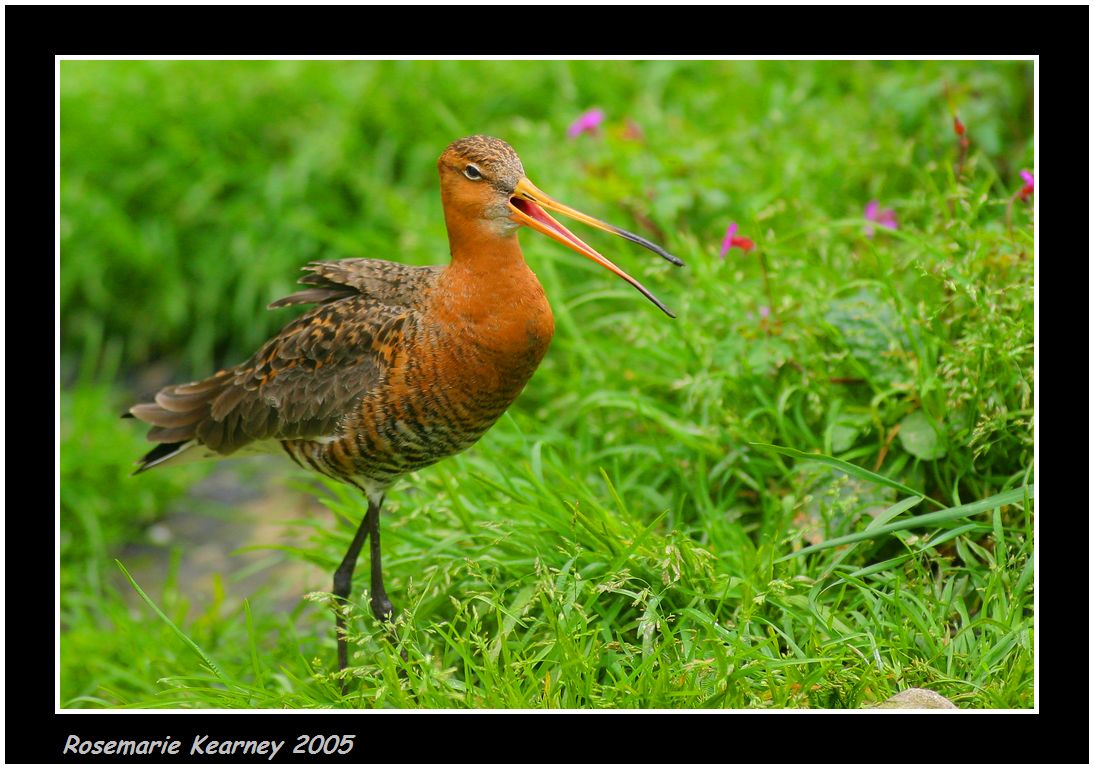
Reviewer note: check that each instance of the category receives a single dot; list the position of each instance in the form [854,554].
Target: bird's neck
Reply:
[489,286]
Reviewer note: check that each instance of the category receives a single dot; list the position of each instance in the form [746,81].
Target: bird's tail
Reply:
[171,454]
[175,416]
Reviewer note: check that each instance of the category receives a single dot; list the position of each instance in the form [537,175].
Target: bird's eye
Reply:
[472,173]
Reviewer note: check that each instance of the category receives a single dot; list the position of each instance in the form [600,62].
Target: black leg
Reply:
[381,606]
[343,582]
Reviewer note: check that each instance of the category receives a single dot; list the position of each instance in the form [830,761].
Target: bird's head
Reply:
[483,181]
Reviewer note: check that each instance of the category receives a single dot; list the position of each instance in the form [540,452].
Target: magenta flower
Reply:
[589,122]
[962,140]
[1027,188]
[733,240]
[886,218]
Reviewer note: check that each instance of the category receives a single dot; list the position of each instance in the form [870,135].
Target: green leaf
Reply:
[921,438]
[847,429]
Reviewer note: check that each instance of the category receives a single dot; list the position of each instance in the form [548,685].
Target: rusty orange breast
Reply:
[493,320]
[459,365]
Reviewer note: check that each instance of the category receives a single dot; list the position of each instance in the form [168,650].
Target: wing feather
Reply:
[305,380]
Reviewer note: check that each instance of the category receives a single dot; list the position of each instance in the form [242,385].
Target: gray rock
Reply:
[918,698]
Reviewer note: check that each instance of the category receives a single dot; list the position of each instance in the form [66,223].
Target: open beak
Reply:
[527,204]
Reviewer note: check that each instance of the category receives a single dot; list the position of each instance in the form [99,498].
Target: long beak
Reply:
[527,204]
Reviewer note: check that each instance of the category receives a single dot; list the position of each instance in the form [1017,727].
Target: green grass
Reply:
[816,507]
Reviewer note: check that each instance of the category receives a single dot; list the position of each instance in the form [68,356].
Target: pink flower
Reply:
[886,218]
[962,139]
[764,311]
[1027,188]
[589,122]
[733,240]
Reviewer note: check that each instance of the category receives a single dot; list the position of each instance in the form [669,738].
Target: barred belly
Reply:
[392,448]
[411,425]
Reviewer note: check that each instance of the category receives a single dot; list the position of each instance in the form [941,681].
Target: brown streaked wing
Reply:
[389,283]
[301,383]
[305,380]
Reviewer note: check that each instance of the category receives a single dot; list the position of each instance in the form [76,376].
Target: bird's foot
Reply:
[382,608]
[385,612]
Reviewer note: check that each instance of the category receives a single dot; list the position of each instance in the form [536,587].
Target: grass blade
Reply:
[1010,497]
[854,470]
[893,511]
[189,642]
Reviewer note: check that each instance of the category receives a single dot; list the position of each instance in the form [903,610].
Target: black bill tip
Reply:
[649,295]
[647,244]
